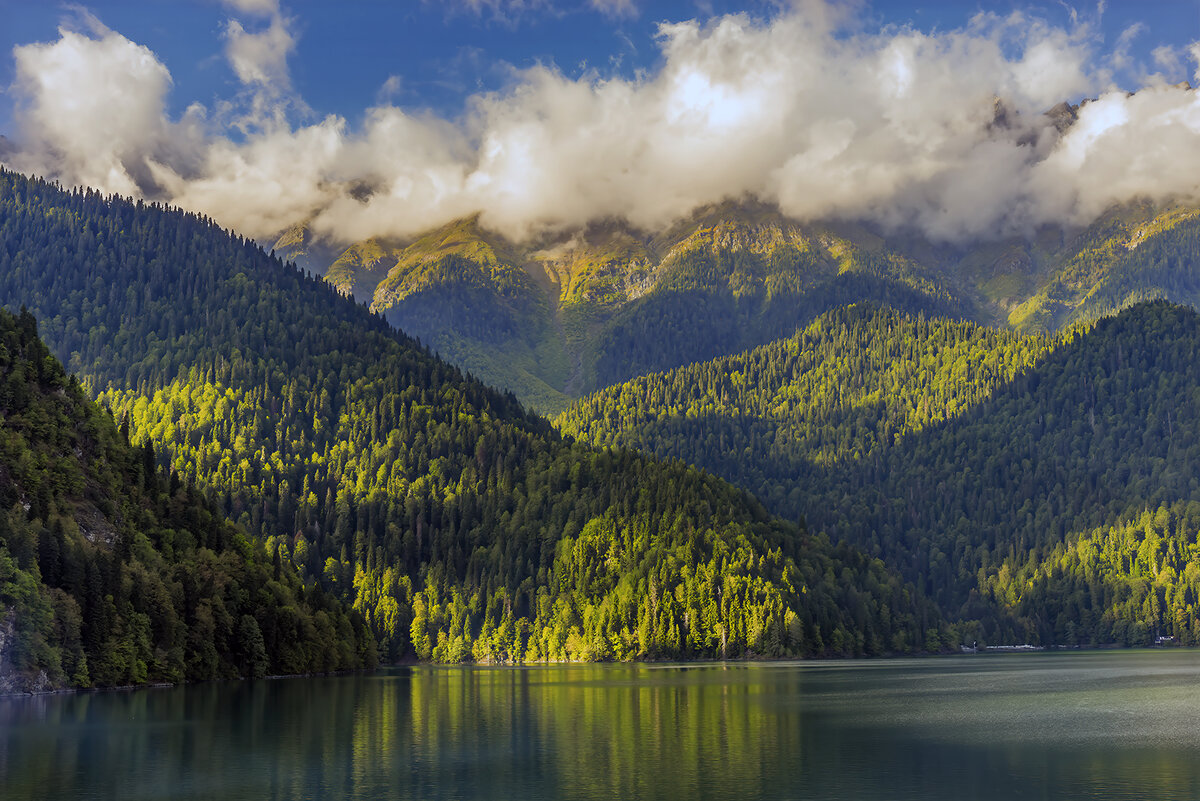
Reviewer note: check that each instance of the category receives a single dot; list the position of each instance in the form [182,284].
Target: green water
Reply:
[1104,725]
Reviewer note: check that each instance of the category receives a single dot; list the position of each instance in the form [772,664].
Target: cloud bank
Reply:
[943,132]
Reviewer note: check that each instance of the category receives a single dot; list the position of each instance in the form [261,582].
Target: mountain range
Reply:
[773,438]
[450,522]
[570,312]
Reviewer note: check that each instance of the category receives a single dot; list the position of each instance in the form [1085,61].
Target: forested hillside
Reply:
[460,526]
[946,448]
[1132,254]
[113,572]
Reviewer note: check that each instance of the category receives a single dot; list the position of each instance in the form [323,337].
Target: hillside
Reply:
[114,573]
[457,524]
[557,317]
[946,448]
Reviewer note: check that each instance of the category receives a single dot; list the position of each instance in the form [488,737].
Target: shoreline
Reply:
[995,650]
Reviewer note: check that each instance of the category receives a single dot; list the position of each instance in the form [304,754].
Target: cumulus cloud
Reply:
[260,59]
[944,132]
[91,110]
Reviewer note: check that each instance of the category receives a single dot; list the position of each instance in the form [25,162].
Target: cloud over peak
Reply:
[942,131]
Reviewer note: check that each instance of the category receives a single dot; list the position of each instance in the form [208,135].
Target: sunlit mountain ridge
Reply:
[565,314]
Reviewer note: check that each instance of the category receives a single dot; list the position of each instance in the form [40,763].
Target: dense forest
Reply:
[113,572]
[947,449]
[778,418]
[1130,583]
[457,524]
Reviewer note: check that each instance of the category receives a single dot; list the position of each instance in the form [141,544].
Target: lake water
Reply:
[1103,725]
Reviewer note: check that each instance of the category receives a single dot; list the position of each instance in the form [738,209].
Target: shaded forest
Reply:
[113,572]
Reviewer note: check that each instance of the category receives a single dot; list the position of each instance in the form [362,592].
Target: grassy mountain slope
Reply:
[360,267]
[735,282]
[456,523]
[944,447]
[558,317]
[299,246]
[466,294]
[113,573]
[551,319]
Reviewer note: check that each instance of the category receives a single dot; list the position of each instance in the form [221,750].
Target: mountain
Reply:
[1131,254]
[961,455]
[458,524]
[557,317]
[300,246]
[114,573]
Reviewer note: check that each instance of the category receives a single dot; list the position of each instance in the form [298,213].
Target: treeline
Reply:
[944,448]
[457,524]
[1130,583]
[778,419]
[735,280]
[711,302]
[113,572]
[1131,255]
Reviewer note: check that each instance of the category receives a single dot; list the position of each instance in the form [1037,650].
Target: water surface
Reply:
[1103,725]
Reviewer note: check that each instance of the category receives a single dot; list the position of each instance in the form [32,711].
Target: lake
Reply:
[1103,725]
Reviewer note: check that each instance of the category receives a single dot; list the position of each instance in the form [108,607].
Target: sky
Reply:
[386,117]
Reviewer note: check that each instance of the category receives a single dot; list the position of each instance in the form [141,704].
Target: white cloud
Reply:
[260,58]
[390,89]
[900,126]
[90,108]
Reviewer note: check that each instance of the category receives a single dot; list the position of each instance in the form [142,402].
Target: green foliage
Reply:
[1130,255]
[679,327]
[1129,583]
[776,419]
[943,447]
[458,525]
[113,573]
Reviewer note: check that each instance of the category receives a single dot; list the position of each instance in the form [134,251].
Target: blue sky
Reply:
[442,52]
[385,117]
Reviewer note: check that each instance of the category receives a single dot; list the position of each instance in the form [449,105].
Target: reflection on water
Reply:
[1082,725]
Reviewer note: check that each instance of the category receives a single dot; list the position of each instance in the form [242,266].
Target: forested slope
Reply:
[460,526]
[113,573]
[1132,254]
[946,448]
